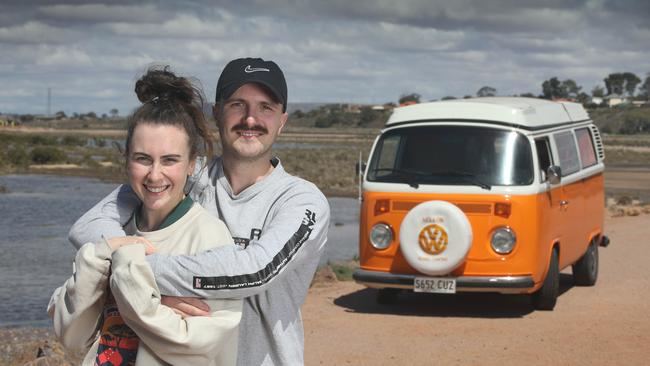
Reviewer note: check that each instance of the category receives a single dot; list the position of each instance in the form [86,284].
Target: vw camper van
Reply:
[485,194]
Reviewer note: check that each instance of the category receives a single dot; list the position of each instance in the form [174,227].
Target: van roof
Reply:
[528,113]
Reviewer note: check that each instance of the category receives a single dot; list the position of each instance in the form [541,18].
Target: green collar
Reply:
[179,211]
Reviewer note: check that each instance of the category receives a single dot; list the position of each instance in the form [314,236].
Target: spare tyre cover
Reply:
[435,237]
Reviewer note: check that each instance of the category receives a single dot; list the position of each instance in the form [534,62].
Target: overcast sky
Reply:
[360,51]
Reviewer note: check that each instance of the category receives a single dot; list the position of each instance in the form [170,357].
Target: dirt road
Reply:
[608,324]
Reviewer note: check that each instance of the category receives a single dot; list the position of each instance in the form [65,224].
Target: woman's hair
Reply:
[168,99]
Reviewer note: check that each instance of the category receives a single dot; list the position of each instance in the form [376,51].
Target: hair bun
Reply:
[160,82]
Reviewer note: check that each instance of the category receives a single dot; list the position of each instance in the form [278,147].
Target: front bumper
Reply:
[501,284]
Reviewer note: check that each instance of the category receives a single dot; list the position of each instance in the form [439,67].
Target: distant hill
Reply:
[303,107]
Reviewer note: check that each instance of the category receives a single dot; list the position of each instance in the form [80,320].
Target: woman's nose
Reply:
[156,171]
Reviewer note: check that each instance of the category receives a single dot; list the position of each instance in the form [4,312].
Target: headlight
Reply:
[503,240]
[381,235]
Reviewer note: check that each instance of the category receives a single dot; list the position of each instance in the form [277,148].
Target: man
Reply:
[279,222]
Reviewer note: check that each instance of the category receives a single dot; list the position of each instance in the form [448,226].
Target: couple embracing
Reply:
[197,261]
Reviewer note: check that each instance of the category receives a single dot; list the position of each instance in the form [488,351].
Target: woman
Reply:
[112,300]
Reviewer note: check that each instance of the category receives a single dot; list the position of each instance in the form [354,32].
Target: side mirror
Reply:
[360,168]
[554,174]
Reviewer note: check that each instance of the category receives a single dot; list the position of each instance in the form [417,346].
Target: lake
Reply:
[36,214]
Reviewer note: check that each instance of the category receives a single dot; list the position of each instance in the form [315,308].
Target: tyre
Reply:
[435,237]
[585,270]
[387,296]
[546,297]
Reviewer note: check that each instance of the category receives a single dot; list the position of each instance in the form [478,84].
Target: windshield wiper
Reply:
[409,176]
[467,177]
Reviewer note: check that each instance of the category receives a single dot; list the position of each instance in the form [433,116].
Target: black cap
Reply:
[252,70]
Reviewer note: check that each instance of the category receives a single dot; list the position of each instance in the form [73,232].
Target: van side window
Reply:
[388,153]
[567,152]
[543,156]
[586,147]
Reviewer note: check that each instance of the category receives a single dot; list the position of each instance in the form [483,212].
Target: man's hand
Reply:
[186,306]
[117,242]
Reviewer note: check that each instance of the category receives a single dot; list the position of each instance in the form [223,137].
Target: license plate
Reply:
[435,285]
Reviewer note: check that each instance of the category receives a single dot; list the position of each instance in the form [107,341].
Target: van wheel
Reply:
[585,270]
[546,297]
[387,296]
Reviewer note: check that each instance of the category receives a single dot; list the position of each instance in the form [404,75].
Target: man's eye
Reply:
[170,161]
[267,109]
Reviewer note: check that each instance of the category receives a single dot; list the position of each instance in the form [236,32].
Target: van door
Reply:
[550,213]
[571,203]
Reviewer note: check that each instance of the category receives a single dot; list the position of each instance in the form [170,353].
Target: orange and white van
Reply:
[486,194]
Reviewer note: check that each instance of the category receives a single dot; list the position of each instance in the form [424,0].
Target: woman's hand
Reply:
[117,242]
[186,306]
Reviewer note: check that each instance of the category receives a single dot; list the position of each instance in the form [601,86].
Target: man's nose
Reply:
[251,116]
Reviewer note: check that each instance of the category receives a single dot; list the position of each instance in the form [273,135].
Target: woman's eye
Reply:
[142,159]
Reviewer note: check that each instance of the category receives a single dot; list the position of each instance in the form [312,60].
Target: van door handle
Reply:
[564,203]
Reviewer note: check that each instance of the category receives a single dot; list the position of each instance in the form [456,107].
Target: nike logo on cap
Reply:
[250,69]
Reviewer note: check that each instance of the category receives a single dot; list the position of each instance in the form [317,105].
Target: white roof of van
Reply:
[525,112]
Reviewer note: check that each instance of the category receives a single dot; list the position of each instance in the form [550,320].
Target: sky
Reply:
[89,54]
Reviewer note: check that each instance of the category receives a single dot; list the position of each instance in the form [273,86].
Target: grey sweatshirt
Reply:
[280,227]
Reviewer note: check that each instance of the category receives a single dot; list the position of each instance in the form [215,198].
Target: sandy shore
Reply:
[608,324]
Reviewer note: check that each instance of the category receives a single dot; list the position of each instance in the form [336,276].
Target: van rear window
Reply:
[586,147]
[567,152]
[452,155]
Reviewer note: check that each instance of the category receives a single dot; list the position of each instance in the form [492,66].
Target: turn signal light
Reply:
[382,206]
[502,209]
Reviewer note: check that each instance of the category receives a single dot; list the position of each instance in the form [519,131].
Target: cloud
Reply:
[491,16]
[337,50]
[16,92]
[63,56]
[94,13]
[181,26]
[33,32]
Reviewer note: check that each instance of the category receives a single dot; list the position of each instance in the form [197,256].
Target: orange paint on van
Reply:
[539,221]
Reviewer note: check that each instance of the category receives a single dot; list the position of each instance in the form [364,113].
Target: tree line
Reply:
[624,84]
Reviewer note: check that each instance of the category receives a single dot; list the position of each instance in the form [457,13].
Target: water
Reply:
[36,257]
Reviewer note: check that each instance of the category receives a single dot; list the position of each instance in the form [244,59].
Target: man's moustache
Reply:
[249,128]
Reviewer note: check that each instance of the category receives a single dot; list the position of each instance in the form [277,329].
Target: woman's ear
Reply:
[191,167]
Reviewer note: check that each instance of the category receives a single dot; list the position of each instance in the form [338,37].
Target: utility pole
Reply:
[49,102]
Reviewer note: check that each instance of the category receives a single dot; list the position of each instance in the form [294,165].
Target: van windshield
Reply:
[452,155]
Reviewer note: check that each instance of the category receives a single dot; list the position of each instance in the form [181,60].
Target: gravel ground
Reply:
[608,324]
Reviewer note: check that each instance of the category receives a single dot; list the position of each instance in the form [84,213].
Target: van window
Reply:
[543,156]
[586,147]
[567,152]
[452,155]
[388,152]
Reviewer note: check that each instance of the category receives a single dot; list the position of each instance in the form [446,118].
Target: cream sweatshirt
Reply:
[165,337]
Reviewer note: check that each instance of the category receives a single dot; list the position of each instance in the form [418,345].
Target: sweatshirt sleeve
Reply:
[294,238]
[175,340]
[76,306]
[106,218]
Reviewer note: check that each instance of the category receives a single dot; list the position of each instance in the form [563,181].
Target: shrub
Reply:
[46,155]
[99,142]
[343,271]
[70,140]
[17,156]
[41,140]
